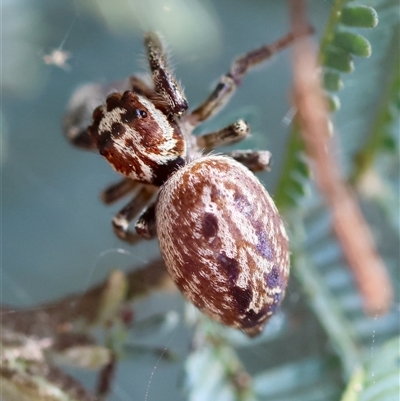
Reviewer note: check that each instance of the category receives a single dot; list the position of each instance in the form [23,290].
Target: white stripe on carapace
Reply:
[167,130]
[164,152]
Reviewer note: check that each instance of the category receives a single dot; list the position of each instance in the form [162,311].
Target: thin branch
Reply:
[86,309]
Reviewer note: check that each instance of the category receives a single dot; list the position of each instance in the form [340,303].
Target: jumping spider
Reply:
[145,133]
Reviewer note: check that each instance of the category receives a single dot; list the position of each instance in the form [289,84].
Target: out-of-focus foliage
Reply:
[377,380]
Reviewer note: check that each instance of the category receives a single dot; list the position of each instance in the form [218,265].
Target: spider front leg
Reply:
[229,82]
[164,82]
[253,160]
[231,134]
[121,221]
[79,114]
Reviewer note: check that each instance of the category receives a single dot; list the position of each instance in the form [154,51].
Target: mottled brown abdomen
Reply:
[224,242]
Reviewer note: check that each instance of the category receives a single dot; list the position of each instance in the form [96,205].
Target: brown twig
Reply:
[349,224]
[61,315]
[52,328]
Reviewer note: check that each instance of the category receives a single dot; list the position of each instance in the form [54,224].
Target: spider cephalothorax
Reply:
[219,231]
[138,139]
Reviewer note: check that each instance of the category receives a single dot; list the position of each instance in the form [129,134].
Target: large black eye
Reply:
[133,114]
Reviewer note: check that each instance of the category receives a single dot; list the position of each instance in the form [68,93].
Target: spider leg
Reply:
[118,190]
[231,134]
[146,223]
[253,160]
[140,86]
[228,82]
[78,116]
[121,221]
[164,81]
[81,139]
[75,129]
[87,98]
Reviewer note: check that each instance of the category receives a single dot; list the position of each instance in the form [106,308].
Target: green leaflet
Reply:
[338,59]
[355,44]
[332,81]
[359,16]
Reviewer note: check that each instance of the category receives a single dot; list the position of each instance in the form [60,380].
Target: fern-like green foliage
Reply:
[340,44]
[292,185]
[338,47]
[382,137]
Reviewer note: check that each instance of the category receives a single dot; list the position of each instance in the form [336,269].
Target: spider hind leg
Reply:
[122,219]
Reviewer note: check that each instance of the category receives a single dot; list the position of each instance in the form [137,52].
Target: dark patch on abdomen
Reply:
[273,278]
[209,225]
[253,319]
[229,265]
[242,204]
[264,244]
[242,297]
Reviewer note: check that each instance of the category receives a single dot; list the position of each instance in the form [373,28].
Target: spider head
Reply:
[138,139]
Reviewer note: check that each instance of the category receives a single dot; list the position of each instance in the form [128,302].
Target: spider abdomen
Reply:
[224,242]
